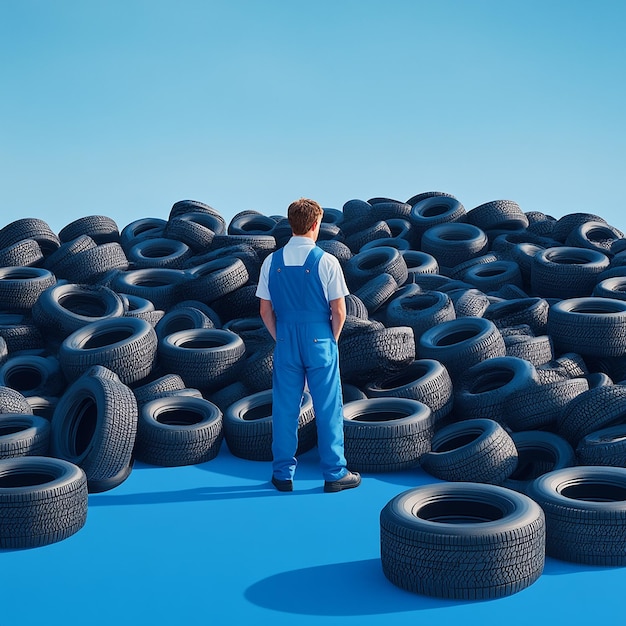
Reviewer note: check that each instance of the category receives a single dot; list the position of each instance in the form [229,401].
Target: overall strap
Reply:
[277,260]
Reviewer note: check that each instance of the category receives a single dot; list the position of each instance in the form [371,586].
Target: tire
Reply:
[606,446]
[365,356]
[386,434]
[213,280]
[100,228]
[248,426]
[141,229]
[589,326]
[94,426]
[163,385]
[498,214]
[569,222]
[566,272]
[595,236]
[461,343]
[12,401]
[205,358]
[125,345]
[420,310]
[457,272]
[462,541]
[183,318]
[468,302]
[431,211]
[338,249]
[195,230]
[418,262]
[20,287]
[185,208]
[161,285]
[20,333]
[490,277]
[159,252]
[425,380]
[21,254]
[532,311]
[44,500]
[376,292]
[364,233]
[178,430]
[257,367]
[538,452]
[62,257]
[33,375]
[237,304]
[483,389]
[536,350]
[592,410]
[364,266]
[453,244]
[23,435]
[251,223]
[539,407]
[355,307]
[585,510]
[43,406]
[611,288]
[475,450]
[263,245]
[66,307]
[228,395]
[93,264]
[30,228]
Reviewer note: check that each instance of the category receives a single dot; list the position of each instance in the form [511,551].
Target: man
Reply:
[302,303]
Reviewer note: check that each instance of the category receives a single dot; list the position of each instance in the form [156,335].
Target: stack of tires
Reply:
[485,346]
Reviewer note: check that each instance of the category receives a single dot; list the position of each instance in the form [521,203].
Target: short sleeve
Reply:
[332,277]
[263,288]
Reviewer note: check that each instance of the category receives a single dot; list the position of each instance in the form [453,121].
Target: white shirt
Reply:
[295,252]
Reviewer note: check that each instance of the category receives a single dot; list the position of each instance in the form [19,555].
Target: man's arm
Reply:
[338,315]
[269,317]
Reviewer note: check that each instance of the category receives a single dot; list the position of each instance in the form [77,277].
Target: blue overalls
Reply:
[305,350]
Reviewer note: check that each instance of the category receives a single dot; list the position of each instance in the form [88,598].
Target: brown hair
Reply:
[302,214]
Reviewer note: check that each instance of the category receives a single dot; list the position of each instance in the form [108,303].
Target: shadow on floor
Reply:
[338,589]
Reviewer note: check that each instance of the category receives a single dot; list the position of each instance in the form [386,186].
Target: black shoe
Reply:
[282,485]
[349,481]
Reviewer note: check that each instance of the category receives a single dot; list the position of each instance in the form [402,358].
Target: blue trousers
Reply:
[307,353]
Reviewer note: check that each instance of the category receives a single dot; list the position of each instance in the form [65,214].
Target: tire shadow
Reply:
[362,590]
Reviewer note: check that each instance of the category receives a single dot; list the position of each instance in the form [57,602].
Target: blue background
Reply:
[121,108]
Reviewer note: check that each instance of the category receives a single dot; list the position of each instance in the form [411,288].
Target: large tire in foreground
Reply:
[462,541]
[585,509]
[43,500]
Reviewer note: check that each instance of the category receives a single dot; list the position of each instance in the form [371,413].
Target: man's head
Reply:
[303,214]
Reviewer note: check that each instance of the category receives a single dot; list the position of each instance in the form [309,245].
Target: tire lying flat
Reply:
[43,500]
[462,541]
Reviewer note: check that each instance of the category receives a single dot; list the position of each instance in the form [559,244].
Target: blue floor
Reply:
[214,544]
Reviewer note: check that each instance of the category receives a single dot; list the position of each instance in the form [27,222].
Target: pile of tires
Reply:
[484,346]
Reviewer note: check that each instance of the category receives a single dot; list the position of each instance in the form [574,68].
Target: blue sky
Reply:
[121,108]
